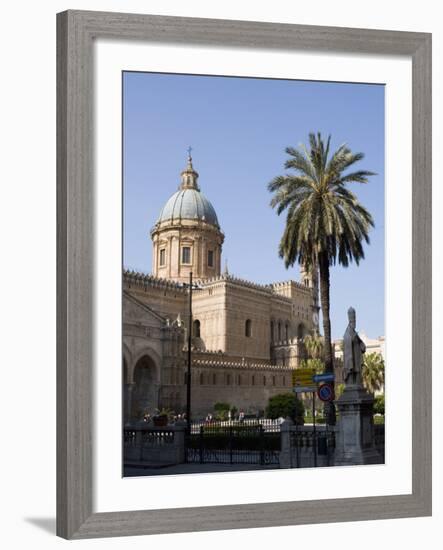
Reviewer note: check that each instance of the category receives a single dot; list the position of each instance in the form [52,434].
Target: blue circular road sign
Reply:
[326,392]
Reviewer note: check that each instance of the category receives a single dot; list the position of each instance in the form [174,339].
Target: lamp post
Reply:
[188,377]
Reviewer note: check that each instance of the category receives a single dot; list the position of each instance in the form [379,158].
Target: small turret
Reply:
[189,176]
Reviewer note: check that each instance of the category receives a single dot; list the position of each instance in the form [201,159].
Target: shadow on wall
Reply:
[46,524]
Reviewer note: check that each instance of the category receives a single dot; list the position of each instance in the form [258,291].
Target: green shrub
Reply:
[285,405]
[221,410]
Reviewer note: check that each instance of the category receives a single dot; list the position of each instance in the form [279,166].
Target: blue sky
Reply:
[238,129]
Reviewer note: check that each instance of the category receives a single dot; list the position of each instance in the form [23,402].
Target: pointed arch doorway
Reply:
[146,387]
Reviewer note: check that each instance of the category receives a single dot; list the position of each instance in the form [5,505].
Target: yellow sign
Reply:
[303,377]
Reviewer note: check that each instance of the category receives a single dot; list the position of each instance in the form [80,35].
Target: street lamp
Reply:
[188,376]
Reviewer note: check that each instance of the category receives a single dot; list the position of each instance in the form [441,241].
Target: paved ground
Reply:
[133,471]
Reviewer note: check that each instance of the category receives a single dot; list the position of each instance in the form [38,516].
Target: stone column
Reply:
[196,259]
[285,444]
[128,403]
[179,441]
[168,256]
[154,257]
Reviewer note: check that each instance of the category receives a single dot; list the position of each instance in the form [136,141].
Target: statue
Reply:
[353,349]
[355,442]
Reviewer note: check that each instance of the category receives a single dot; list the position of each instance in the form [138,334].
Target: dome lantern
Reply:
[189,175]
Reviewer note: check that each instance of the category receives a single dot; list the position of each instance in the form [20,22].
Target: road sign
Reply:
[303,377]
[326,377]
[326,392]
[305,389]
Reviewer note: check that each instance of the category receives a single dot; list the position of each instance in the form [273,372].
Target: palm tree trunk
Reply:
[323,264]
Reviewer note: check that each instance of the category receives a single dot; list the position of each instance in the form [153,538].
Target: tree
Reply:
[373,372]
[314,350]
[314,346]
[316,364]
[325,223]
[221,410]
[285,405]
[379,404]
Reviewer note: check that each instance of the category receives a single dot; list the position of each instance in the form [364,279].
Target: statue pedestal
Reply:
[355,438]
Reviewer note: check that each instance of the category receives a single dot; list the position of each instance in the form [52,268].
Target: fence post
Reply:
[201,445]
[139,443]
[179,441]
[285,444]
[262,445]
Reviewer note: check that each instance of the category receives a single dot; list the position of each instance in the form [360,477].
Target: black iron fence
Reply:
[311,447]
[235,443]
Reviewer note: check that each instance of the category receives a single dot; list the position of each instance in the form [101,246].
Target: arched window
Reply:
[210,258]
[196,328]
[287,331]
[253,380]
[300,331]
[202,379]
[279,331]
[264,380]
[228,379]
[273,380]
[214,378]
[272,331]
[239,379]
[248,328]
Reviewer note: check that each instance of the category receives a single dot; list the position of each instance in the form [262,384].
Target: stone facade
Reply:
[246,338]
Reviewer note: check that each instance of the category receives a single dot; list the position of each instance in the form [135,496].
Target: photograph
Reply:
[253,276]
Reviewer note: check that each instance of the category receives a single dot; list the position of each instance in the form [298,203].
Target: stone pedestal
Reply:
[355,437]
[285,443]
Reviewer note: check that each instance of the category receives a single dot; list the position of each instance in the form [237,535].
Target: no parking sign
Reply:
[326,392]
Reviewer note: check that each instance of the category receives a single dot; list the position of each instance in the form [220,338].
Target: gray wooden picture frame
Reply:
[76,32]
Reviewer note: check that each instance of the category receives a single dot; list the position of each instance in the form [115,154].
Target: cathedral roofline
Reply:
[145,279]
[271,288]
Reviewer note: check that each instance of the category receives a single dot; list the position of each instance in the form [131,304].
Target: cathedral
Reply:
[246,337]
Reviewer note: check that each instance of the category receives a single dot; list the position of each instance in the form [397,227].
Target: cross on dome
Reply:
[189,175]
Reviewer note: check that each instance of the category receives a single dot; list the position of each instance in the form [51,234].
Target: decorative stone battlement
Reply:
[279,286]
[244,365]
[226,277]
[135,278]
[270,289]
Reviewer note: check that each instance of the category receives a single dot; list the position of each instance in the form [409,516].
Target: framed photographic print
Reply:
[244,274]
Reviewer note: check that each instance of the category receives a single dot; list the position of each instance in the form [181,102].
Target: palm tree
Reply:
[325,223]
[314,346]
[373,372]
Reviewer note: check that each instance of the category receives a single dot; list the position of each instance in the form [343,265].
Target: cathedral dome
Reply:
[189,204]
[187,237]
